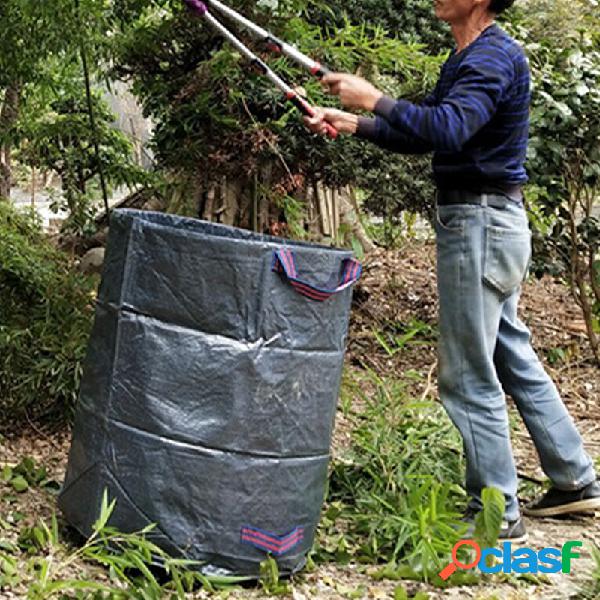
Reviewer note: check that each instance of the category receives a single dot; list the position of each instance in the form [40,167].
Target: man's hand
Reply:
[344,122]
[354,92]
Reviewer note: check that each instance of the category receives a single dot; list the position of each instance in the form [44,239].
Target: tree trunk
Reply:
[349,215]
[580,287]
[8,117]
[33,182]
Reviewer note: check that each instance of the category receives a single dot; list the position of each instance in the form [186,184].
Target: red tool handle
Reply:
[332,132]
[305,108]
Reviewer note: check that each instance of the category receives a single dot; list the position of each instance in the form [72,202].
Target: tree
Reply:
[31,31]
[52,56]
[412,21]
[216,122]
[60,138]
[564,156]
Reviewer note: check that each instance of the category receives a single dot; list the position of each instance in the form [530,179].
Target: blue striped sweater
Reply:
[476,121]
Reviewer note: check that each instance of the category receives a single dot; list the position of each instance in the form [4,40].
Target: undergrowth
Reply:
[590,590]
[119,566]
[394,502]
[395,495]
[45,319]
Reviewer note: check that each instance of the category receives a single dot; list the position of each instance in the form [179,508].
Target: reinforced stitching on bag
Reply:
[271,542]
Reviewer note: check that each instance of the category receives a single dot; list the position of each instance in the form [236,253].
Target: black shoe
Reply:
[559,502]
[510,531]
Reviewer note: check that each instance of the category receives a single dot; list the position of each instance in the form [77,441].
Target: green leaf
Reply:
[400,593]
[8,564]
[19,484]
[106,510]
[54,530]
[226,580]
[269,577]
[26,467]
[489,520]
[8,546]
[357,248]
[40,536]
[75,584]
[7,473]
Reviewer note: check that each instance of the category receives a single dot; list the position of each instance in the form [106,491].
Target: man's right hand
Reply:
[344,122]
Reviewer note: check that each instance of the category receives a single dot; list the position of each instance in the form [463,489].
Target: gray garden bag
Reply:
[209,390]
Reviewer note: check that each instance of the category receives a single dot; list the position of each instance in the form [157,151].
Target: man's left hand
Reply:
[354,92]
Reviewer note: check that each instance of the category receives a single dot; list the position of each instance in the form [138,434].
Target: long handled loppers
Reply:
[273,44]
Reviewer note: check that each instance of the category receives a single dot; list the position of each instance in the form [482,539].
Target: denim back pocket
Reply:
[507,254]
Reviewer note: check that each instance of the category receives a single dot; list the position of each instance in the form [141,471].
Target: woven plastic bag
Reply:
[209,390]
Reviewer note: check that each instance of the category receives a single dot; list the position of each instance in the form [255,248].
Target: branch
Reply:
[577,280]
[88,95]
[270,142]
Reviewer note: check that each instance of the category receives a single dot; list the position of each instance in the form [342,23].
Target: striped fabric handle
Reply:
[284,262]
[271,542]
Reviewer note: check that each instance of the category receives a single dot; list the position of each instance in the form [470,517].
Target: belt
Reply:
[496,198]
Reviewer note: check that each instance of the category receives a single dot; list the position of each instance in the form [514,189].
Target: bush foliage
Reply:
[45,319]
[564,152]
[216,119]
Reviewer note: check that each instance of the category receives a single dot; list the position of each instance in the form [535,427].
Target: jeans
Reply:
[485,353]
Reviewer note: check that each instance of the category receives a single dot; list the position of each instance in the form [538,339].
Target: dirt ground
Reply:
[399,287]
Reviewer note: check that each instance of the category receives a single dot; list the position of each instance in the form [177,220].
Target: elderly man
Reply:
[476,123]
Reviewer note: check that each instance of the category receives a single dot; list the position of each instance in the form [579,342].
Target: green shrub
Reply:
[395,495]
[564,154]
[45,319]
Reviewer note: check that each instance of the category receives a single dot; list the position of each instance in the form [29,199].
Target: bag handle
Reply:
[284,262]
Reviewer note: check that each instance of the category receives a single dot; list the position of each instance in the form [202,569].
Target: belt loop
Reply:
[484,200]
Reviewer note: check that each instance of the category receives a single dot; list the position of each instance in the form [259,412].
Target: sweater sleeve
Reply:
[482,80]
[382,134]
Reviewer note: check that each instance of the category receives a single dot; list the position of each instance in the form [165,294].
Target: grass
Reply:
[387,506]
[590,590]
[394,503]
[41,565]
[397,338]
[395,495]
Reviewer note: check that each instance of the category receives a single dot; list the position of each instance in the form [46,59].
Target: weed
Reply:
[591,588]
[45,319]
[137,569]
[489,519]
[269,578]
[394,496]
[529,490]
[27,474]
[415,332]
[557,356]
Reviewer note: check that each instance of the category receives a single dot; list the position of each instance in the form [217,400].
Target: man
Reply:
[476,122]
